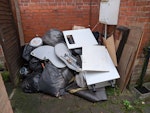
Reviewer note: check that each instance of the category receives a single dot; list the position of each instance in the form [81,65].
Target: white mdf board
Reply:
[93,77]
[81,37]
[103,84]
[109,12]
[94,58]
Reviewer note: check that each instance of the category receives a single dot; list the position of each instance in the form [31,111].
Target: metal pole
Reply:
[146,61]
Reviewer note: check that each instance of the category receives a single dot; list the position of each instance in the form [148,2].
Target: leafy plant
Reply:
[127,105]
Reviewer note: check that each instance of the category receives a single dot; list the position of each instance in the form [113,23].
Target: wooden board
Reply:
[125,32]
[134,36]
[130,71]
[124,64]
[129,56]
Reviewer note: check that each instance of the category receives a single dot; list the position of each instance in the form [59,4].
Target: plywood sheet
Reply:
[129,55]
[134,36]
[124,64]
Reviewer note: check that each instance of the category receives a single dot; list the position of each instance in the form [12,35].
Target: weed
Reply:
[139,104]
[112,91]
[127,105]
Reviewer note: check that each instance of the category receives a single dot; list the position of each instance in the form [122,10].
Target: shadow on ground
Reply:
[42,103]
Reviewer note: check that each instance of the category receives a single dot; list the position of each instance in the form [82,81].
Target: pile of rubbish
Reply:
[55,66]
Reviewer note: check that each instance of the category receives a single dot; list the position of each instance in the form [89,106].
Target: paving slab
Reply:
[43,103]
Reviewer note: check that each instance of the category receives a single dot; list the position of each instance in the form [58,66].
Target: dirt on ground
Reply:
[117,102]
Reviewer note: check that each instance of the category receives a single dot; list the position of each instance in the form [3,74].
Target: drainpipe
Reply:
[146,61]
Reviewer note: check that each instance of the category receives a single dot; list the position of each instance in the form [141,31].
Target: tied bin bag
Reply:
[54,80]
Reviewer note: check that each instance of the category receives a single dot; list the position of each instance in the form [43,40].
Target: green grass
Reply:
[112,91]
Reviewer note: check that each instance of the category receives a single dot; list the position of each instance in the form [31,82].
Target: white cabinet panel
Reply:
[109,11]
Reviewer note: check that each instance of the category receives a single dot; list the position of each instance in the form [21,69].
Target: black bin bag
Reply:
[35,65]
[26,52]
[87,94]
[31,83]
[53,80]
[52,37]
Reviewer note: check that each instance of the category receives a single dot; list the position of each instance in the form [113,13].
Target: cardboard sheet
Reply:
[81,37]
[110,45]
[75,27]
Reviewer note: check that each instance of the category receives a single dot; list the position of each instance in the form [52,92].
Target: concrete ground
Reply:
[116,103]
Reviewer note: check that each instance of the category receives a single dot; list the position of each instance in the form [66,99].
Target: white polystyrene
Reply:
[36,42]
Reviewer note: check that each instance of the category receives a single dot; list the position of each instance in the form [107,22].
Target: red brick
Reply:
[63,14]
[131,3]
[71,12]
[142,3]
[144,19]
[25,1]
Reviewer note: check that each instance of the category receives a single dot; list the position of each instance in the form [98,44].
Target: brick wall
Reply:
[5,106]
[38,16]
[137,13]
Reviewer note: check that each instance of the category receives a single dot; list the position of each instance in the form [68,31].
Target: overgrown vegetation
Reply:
[4,73]
[112,91]
[126,100]
[5,76]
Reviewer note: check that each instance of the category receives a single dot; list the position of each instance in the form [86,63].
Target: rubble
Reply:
[60,70]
